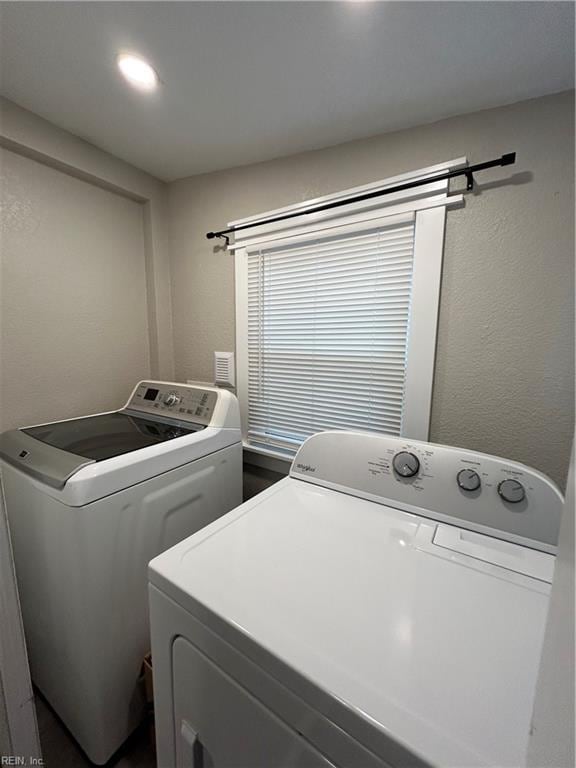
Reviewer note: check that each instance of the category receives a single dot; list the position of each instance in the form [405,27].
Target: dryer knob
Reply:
[406,464]
[468,480]
[511,491]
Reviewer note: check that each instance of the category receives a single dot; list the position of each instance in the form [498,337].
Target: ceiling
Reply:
[250,81]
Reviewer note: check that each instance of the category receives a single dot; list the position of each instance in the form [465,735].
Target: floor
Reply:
[59,749]
[257,479]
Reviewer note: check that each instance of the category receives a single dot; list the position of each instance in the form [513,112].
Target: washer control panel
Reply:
[175,401]
[469,489]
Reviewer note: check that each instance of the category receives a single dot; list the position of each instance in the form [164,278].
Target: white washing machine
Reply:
[382,606]
[90,501]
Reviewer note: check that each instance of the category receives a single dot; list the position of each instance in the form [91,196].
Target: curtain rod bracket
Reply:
[468,171]
[212,235]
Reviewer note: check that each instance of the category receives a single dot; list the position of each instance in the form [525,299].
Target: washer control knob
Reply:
[406,464]
[511,491]
[171,399]
[468,480]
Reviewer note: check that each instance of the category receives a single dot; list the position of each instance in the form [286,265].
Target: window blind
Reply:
[327,335]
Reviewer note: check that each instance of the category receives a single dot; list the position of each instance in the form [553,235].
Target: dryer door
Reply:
[219,724]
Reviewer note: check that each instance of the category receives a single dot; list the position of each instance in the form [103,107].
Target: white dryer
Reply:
[382,606]
[90,501]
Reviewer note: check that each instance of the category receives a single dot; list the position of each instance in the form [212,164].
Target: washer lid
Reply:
[52,453]
[334,594]
[108,434]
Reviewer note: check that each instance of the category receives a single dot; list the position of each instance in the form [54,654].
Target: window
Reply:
[336,319]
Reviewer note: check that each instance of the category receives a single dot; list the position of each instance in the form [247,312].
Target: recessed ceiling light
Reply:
[137,71]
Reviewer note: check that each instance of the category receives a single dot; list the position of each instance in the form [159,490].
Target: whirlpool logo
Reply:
[305,468]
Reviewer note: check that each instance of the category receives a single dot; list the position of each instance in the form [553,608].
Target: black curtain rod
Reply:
[468,171]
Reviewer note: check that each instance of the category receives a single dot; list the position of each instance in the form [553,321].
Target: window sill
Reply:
[261,457]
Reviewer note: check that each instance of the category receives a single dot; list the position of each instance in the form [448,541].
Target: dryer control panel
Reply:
[182,402]
[472,490]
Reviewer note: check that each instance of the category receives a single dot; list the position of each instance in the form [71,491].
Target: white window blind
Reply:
[328,325]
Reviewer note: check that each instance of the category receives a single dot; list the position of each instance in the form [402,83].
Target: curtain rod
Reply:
[468,171]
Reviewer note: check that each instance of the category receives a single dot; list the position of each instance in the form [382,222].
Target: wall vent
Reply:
[224,374]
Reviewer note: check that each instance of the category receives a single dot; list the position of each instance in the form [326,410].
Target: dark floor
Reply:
[258,479]
[59,749]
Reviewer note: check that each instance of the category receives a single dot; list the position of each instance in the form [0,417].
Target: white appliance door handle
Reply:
[190,746]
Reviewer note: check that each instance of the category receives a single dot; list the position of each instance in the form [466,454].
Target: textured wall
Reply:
[5,743]
[18,726]
[31,136]
[73,305]
[504,371]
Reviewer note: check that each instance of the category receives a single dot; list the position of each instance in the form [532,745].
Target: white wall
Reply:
[5,740]
[18,727]
[504,377]
[84,293]
[74,336]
